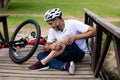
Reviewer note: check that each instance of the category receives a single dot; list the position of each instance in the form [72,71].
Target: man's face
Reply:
[53,24]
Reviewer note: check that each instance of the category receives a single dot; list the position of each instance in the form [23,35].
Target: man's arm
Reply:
[47,46]
[57,45]
[53,46]
[88,34]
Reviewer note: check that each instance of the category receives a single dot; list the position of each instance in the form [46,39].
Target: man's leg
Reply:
[54,53]
[57,64]
[53,63]
[47,58]
[72,53]
[51,57]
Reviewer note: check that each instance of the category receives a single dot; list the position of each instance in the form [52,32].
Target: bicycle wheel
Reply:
[19,50]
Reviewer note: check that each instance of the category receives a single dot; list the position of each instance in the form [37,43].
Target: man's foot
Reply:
[38,66]
[70,67]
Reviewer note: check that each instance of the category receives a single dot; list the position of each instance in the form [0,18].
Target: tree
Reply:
[4,4]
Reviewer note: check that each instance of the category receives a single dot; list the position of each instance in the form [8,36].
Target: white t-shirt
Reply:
[72,27]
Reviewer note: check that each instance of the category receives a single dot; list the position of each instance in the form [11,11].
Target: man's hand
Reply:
[70,39]
[55,46]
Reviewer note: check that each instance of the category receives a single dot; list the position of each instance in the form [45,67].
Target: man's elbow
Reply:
[93,33]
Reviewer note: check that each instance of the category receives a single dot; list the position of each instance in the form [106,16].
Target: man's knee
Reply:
[63,40]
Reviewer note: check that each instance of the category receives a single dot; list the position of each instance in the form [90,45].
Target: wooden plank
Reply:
[43,72]
[19,78]
[24,68]
[46,75]
[11,71]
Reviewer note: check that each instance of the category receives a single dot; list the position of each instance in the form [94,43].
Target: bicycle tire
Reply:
[34,47]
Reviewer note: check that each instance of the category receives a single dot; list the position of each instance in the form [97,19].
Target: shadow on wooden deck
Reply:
[12,71]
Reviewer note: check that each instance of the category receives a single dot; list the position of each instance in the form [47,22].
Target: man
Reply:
[66,43]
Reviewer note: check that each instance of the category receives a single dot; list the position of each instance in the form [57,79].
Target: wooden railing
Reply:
[98,52]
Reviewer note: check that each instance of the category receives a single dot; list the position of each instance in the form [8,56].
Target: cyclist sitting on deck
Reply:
[66,43]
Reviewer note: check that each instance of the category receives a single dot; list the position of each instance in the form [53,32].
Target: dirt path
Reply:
[109,19]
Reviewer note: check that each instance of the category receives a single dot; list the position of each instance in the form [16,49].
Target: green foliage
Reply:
[105,8]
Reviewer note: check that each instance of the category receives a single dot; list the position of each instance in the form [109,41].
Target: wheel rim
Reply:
[21,54]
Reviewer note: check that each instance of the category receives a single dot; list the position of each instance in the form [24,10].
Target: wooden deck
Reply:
[12,71]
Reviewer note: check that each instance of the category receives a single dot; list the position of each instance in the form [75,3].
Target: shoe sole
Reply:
[72,68]
[45,68]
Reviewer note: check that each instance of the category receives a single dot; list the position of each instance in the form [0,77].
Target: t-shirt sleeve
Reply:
[81,27]
[51,37]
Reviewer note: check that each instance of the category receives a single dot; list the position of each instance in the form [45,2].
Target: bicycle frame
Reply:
[20,43]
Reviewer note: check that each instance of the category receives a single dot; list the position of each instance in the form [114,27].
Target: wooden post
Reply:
[4,4]
[1,3]
[3,19]
[97,47]
[117,52]
[103,54]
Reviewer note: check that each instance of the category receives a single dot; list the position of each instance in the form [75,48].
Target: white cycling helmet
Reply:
[52,13]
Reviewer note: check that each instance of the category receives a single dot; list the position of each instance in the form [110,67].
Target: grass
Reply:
[104,8]
[116,23]
[14,21]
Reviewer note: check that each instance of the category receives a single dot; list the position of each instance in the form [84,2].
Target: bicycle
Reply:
[24,41]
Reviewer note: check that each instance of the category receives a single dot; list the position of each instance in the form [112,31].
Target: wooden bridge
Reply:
[88,69]
[12,71]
